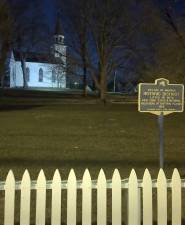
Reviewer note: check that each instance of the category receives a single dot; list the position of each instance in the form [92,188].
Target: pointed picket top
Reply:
[56,179]
[175,175]
[161,198]
[101,177]
[86,180]
[176,198]
[72,175]
[41,180]
[9,199]
[161,177]
[56,199]
[26,181]
[147,199]
[71,198]
[86,176]
[41,176]
[10,179]
[116,198]
[133,177]
[116,175]
[86,198]
[146,175]
[133,173]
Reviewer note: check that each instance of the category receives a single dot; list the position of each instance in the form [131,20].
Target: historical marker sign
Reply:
[161,97]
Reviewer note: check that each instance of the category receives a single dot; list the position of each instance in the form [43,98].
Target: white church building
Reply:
[42,71]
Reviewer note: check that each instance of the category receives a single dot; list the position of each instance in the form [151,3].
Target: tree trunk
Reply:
[103,86]
[85,81]
[2,80]
[1,86]
[23,66]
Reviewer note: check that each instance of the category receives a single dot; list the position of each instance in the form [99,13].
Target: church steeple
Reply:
[58,28]
[59,48]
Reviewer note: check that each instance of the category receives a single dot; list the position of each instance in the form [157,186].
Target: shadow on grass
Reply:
[18,107]
[16,161]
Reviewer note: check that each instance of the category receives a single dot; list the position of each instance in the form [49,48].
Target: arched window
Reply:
[41,75]
[53,76]
[27,74]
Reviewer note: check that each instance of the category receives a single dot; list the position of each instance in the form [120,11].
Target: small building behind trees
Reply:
[42,70]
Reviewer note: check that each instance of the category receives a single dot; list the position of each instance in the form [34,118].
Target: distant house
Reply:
[41,70]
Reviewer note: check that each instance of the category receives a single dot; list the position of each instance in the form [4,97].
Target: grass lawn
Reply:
[38,133]
[54,133]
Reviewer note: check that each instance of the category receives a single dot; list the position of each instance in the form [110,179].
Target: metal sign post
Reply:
[161,98]
[161,140]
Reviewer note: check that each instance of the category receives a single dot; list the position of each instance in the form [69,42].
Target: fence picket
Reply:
[56,199]
[101,185]
[147,199]
[25,199]
[86,198]
[161,198]
[176,198]
[71,198]
[116,198]
[133,200]
[41,199]
[9,199]
[101,199]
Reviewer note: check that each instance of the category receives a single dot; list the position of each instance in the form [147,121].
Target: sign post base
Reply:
[161,140]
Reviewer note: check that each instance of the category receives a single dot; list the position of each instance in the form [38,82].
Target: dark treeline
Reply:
[23,28]
[139,40]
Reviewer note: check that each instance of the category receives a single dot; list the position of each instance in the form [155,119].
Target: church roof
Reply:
[37,57]
[59,28]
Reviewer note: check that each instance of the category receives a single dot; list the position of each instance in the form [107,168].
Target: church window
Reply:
[27,74]
[53,76]
[41,75]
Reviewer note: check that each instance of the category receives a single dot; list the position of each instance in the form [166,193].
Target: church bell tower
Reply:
[59,48]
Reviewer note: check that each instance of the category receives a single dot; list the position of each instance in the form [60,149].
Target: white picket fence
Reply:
[139,193]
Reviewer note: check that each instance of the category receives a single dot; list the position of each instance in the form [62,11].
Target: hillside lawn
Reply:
[64,133]
[50,132]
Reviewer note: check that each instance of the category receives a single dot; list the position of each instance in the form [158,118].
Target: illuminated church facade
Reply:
[41,70]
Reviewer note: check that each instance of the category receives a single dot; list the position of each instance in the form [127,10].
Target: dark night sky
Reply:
[50,11]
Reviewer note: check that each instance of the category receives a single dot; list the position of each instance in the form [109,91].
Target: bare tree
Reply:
[96,40]
[107,36]
[169,48]
[30,29]
[5,37]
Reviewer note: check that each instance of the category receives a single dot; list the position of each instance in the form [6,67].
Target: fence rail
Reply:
[124,184]
[139,203]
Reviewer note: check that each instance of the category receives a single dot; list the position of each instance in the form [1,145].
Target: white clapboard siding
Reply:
[25,199]
[147,199]
[161,198]
[71,198]
[101,199]
[56,199]
[9,199]
[116,198]
[41,199]
[133,200]
[86,198]
[176,198]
